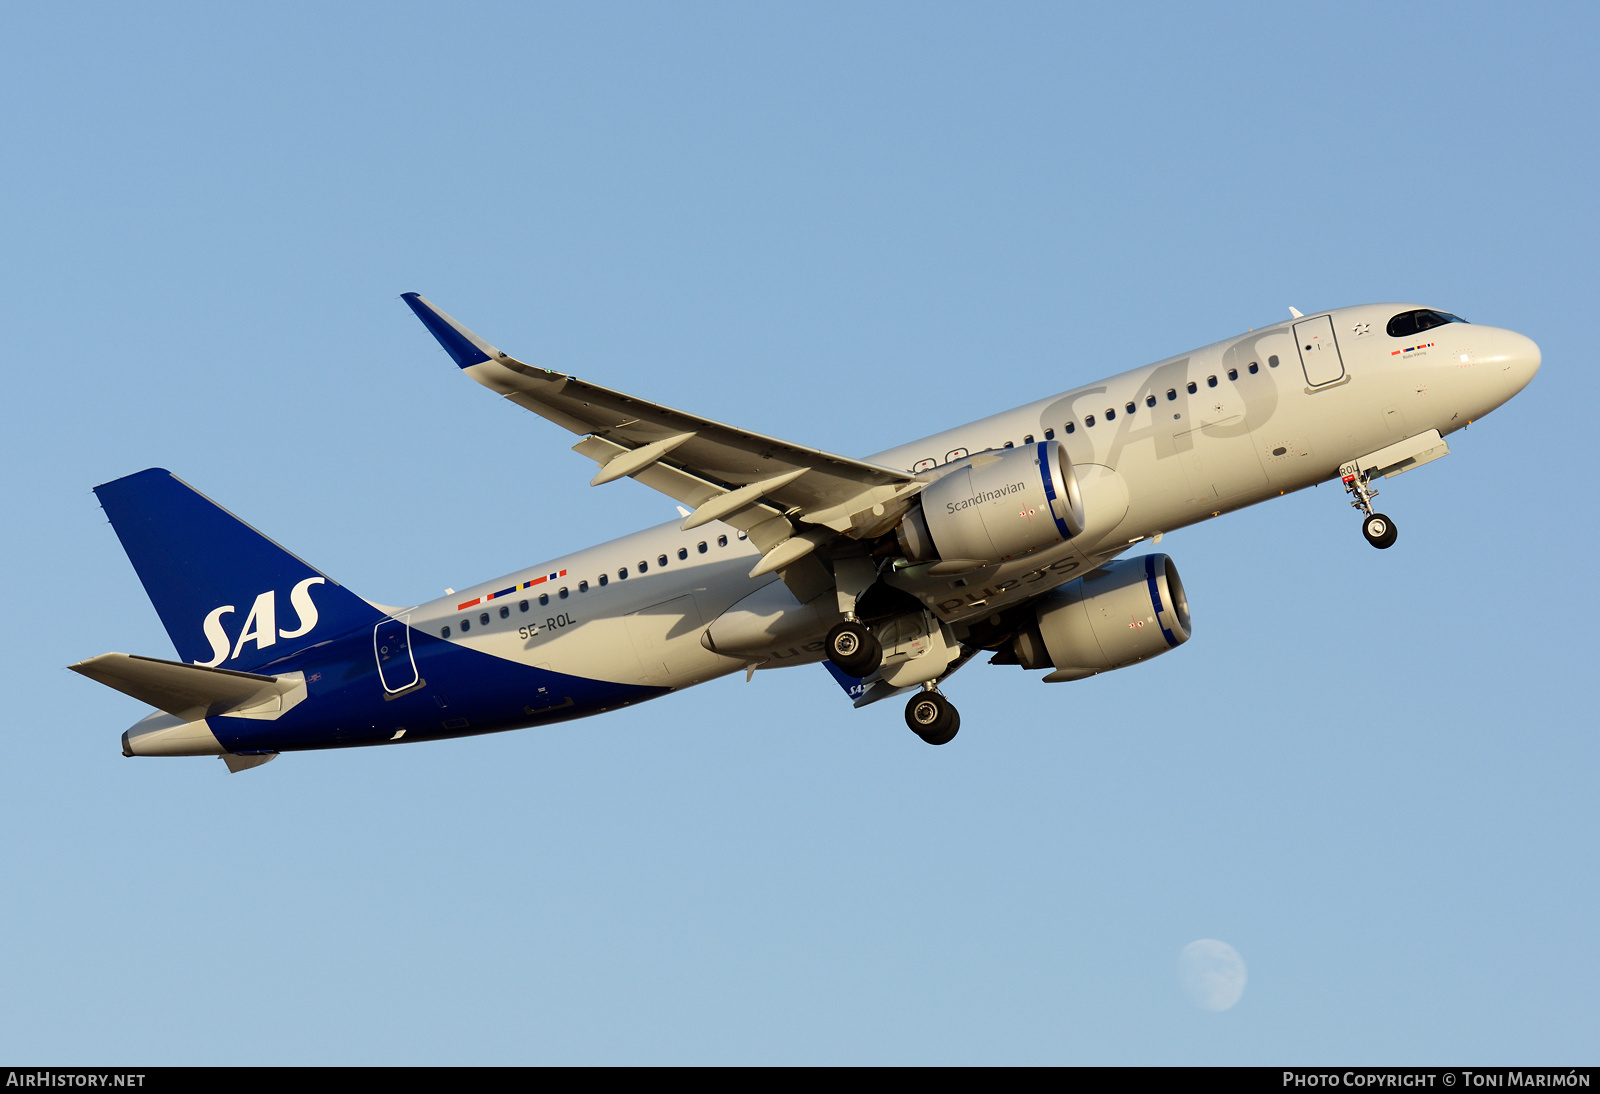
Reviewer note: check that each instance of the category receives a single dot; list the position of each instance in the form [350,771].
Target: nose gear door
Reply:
[1319,351]
[391,644]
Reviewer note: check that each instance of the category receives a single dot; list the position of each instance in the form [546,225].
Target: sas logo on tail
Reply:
[261,625]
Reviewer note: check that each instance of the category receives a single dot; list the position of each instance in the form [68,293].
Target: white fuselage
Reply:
[1155,448]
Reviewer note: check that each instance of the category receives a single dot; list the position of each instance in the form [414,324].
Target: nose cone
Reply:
[1522,360]
[1508,360]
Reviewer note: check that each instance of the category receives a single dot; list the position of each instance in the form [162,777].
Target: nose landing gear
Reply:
[1378,529]
[932,717]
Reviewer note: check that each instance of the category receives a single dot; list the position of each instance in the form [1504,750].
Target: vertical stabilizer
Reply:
[229,596]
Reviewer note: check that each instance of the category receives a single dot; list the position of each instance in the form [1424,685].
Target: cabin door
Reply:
[1319,351]
[391,644]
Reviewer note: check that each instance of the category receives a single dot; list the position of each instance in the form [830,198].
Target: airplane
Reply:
[1005,536]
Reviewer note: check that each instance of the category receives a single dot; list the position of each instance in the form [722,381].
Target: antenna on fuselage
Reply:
[1296,313]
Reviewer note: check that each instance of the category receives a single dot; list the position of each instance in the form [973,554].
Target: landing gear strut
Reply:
[932,717]
[854,649]
[1377,528]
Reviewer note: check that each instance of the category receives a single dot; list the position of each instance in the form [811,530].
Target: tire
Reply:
[933,718]
[854,649]
[950,733]
[1379,531]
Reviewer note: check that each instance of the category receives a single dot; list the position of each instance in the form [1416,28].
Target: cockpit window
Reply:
[1408,323]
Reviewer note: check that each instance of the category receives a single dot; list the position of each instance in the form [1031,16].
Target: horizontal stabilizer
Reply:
[191,691]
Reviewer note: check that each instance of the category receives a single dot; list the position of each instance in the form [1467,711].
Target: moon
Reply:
[1212,974]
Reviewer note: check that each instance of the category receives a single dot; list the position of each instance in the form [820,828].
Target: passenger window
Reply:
[1254,368]
[1111,415]
[444,632]
[702,547]
[661,560]
[466,625]
[505,613]
[1149,400]
[544,598]
[722,541]
[1172,394]
[1192,387]
[1129,408]
[1233,374]
[743,534]
[583,587]
[1071,427]
[483,617]
[604,580]
[1272,362]
[683,553]
[1211,381]
[1088,420]
[644,567]
[522,605]
[622,573]
[1028,439]
[1049,434]
[1008,444]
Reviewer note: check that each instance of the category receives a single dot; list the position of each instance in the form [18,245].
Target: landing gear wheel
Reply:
[932,717]
[1380,531]
[854,649]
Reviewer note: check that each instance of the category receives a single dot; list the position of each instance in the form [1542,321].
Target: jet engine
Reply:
[996,506]
[1120,614]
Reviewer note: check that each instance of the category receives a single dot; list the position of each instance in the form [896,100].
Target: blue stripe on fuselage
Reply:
[465,691]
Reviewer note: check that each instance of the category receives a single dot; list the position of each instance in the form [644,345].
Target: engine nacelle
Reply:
[1122,613]
[998,505]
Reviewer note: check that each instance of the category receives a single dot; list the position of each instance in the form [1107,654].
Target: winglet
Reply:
[464,347]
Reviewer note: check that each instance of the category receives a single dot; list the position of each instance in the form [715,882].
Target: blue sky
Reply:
[1371,773]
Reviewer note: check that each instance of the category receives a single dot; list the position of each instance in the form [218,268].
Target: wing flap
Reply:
[676,483]
[716,452]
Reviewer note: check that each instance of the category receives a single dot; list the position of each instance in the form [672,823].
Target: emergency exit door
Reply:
[1319,351]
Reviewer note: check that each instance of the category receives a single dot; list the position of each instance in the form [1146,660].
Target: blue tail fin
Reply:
[852,685]
[228,596]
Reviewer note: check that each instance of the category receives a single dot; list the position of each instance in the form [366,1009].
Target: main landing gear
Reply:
[1377,528]
[857,652]
[854,649]
[932,717]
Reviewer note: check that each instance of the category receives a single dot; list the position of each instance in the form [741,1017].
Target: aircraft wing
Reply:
[789,499]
